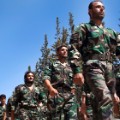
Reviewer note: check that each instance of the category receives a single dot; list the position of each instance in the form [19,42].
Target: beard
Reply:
[62,56]
[100,17]
[97,15]
[29,83]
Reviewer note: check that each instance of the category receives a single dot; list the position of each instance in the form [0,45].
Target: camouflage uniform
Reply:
[2,111]
[89,98]
[96,46]
[25,103]
[116,68]
[62,106]
[8,108]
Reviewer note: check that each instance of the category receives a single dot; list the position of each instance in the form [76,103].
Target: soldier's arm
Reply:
[83,104]
[12,115]
[4,115]
[115,97]
[75,58]
[50,88]
[15,99]
[47,80]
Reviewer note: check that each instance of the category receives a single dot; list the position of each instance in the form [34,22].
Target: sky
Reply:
[23,24]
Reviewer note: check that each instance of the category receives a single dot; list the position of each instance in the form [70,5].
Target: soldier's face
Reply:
[3,100]
[63,52]
[97,11]
[30,77]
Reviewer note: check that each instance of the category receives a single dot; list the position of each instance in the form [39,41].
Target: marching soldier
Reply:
[3,107]
[28,98]
[61,89]
[96,46]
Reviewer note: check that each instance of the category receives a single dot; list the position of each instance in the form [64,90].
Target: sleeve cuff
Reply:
[77,70]
[46,78]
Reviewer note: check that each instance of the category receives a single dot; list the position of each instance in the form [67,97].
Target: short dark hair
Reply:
[27,72]
[60,46]
[91,3]
[2,96]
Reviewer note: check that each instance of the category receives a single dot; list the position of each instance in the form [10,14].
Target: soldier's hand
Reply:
[78,79]
[83,109]
[83,113]
[53,92]
[115,98]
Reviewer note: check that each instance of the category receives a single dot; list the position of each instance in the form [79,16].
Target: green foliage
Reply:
[71,22]
[61,37]
[49,54]
[42,62]
[29,68]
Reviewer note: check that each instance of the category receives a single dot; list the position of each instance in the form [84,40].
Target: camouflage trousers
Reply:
[63,107]
[29,114]
[100,78]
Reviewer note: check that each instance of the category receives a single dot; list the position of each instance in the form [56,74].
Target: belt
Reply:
[101,57]
[28,107]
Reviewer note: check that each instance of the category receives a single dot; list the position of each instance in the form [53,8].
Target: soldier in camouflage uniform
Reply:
[116,68]
[96,46]
[61,89]
[28,100]
[8,108]
[3,107]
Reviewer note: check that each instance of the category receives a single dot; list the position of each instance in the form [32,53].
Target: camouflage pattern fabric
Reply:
[25,103]
[96,47]
[8,107]
[2,110]
[79,91]
[116,68]
[89,98]
[64,105]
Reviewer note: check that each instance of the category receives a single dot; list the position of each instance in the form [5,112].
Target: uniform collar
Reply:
[58,62]
[93,24]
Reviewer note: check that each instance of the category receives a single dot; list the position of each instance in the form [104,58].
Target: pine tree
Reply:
[60,37]
[29,68]
[57,35]
[71,22]
[64,36]
[43,61]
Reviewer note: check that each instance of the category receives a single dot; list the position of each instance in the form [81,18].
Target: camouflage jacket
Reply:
[57,74]
[2,110]
[23,97]
[91,42]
